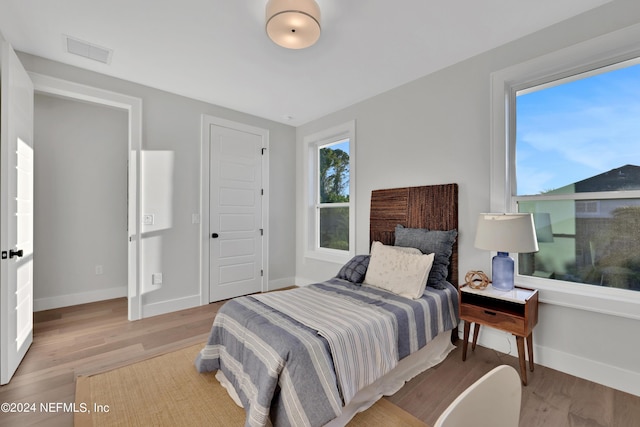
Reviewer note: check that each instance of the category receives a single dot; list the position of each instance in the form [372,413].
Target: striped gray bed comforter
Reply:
[279,355]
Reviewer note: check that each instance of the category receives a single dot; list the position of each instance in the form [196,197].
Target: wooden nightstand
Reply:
[513,311]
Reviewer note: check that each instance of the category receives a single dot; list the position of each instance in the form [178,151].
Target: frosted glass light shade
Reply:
[294,24]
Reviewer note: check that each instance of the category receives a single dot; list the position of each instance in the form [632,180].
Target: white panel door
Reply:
[235,212]
[16,212]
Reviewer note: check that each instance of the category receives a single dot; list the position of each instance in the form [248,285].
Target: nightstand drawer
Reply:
[493,318]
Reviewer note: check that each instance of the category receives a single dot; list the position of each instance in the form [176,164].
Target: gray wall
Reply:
[436,130]
[80,184]
[172,123]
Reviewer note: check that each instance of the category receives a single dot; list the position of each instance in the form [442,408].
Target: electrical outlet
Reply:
[99,270]
[156,279]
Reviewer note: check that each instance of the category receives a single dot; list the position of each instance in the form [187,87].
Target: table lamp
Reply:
[504,233]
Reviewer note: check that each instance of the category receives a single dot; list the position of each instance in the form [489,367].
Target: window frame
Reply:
[583,57]
[313,143]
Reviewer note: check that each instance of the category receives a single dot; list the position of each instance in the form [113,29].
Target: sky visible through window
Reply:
[577,130]
[344,146]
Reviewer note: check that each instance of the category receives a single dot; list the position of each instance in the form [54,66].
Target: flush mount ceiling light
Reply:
[294,24]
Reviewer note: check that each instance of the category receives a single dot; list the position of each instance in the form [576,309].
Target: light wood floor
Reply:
[551,398]
[96,337]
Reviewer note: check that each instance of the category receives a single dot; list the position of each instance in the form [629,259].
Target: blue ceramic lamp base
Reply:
[502,267]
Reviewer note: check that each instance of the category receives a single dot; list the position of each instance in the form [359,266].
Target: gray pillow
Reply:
[355,269]
[435,241]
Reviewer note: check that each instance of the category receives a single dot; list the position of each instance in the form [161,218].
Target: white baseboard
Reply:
[59,301]
[301,281]
[280,283]
[592,370]
[155,309]
[494,339]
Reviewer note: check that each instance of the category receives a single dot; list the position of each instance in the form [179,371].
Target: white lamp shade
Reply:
[508,232]
[294,24]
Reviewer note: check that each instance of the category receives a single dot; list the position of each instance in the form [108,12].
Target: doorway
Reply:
[80,223]
[133,108]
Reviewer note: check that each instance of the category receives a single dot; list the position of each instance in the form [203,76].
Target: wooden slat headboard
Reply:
[434,207]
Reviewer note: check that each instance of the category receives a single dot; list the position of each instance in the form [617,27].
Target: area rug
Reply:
[168,391]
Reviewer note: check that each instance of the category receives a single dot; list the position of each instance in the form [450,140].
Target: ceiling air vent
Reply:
[87,50]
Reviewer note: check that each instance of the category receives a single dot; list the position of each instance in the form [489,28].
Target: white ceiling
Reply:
[217,50]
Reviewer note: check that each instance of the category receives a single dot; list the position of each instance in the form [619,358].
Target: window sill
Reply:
[604,300]
[333,256]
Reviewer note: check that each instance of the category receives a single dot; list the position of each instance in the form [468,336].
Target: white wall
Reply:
[172,125]
[80,220]
[436,130]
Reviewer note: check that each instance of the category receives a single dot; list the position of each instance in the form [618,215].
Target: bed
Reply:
[319,354]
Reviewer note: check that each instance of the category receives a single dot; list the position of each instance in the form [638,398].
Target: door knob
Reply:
[214,236]
[17,253]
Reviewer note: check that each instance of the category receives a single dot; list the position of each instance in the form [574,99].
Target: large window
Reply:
[577,169]
[574,267]
[330,193]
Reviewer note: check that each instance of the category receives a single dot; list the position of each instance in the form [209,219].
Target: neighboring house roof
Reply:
[626,177]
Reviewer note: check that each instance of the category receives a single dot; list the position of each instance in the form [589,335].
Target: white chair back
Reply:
[492,401]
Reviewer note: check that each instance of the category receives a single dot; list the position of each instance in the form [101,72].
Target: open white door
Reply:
[16,212]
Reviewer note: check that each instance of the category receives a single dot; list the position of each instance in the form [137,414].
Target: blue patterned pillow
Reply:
[434,241]
[355,270]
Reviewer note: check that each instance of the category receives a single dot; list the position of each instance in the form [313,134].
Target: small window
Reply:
[333,195]
[330,196]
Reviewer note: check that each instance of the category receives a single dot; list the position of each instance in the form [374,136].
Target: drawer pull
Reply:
[491,313]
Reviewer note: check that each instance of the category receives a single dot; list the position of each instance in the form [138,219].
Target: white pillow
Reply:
[402,272]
